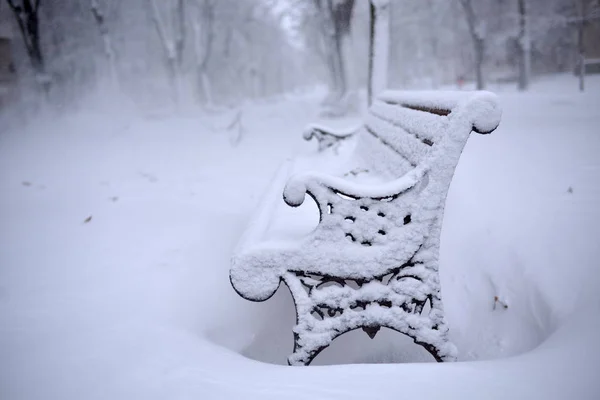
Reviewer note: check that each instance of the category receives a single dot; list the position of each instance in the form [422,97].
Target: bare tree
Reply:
[477,32]
[379,32]
[109,52]
[434,36]
[524,44]
[27,16]
[173,42]
[327,25]
[203,27]
[335,27]
[582,7]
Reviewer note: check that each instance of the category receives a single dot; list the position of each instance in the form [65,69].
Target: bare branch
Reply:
[13,6]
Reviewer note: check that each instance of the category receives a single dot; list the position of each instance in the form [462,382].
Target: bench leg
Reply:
[308,346]
[305,349]
[313,333]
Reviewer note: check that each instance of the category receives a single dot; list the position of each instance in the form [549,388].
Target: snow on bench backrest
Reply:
[409,124]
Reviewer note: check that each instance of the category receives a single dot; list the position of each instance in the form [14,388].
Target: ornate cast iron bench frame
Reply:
[372,261]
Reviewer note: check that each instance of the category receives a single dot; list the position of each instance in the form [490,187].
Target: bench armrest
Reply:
[311,182]
[328,137]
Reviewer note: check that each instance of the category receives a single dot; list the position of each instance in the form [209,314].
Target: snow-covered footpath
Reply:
[116,232]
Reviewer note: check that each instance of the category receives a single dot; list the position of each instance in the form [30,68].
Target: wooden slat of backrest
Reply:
[407,145]
[425,125]
[379,157]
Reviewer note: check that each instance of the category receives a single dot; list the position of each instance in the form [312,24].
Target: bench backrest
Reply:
[403,129]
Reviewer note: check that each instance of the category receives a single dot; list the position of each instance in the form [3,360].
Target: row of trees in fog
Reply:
[220,52]
[204,51]
[529,25]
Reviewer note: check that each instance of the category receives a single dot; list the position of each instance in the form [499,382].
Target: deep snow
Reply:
[136,302]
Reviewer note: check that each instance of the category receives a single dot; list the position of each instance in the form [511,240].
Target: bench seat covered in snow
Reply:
[367,255]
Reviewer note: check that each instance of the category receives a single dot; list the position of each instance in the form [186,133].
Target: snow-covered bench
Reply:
[372,259]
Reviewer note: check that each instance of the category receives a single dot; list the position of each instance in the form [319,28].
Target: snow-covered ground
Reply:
[116,232]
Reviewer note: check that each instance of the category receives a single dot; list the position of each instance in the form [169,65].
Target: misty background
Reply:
[210,54]
[139,137]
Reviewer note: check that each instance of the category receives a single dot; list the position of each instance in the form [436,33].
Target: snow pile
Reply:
[136,302]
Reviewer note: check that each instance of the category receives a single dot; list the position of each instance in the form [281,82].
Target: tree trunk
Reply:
[335,26]
[36,49]
[524,42]
[203,43]
[434,38]
[340,65]
[372,22]
[379,31]
[180,32]
[479,55]
[109,52]
[332,56]
[580,42]
[478,36]
[173,47]
[581,59]
[26,15]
